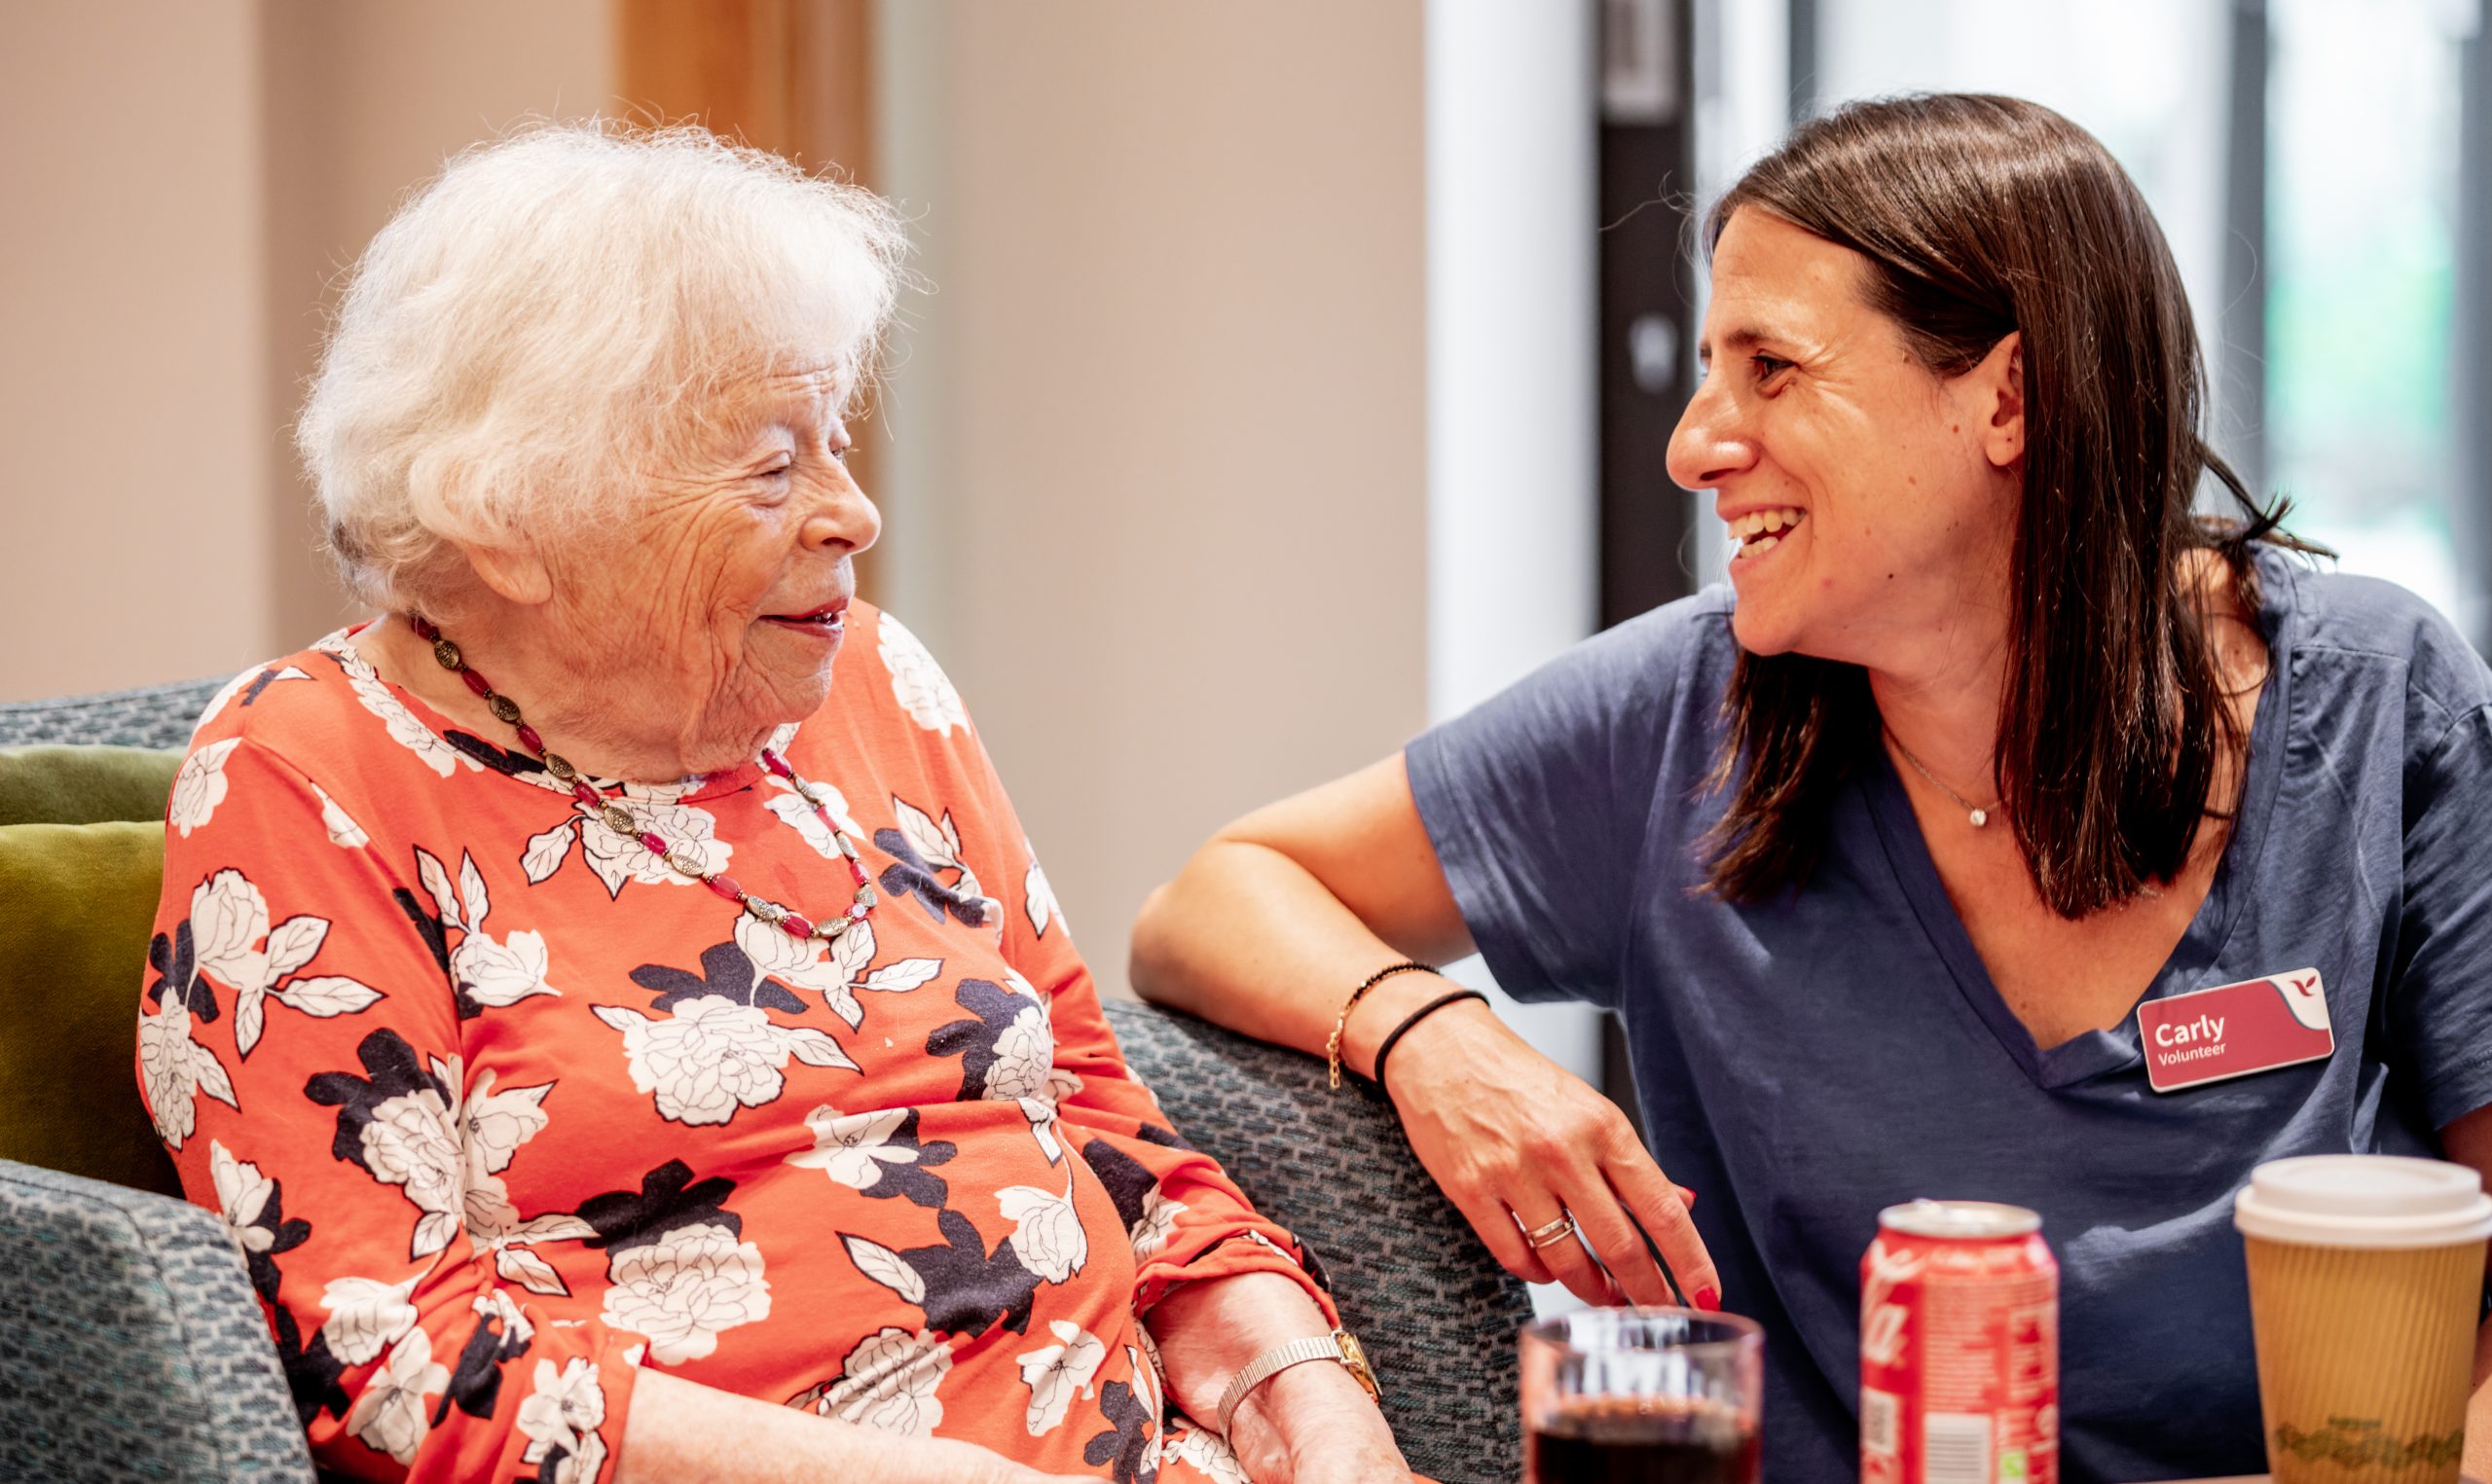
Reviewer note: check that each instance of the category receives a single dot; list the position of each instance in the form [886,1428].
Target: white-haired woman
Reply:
[626,1045]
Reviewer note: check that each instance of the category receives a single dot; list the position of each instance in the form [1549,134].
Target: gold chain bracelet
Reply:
[1342,1021]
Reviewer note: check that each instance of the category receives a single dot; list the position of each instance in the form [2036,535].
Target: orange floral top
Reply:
[499,1108]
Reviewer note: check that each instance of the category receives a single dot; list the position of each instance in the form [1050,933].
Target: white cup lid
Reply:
[2364,1200]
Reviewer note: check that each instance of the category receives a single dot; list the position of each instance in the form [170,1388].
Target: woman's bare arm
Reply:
[1271,924]
[680,1430]
[1281,914]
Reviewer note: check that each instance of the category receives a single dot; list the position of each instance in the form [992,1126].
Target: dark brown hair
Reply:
[1980,216]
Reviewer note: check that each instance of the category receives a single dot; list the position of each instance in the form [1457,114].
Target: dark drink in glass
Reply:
[1664,1394]
[1664,1440]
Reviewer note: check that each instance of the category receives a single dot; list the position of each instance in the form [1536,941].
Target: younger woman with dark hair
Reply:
[1993,742]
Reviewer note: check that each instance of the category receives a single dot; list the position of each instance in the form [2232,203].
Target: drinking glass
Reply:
[1666,1394]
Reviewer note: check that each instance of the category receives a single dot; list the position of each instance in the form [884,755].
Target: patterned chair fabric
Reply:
[150,717]
[131,1344]
[133,1348]
[1435,1311]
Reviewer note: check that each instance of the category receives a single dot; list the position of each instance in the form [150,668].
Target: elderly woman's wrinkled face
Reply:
[1870,502]
[714,611]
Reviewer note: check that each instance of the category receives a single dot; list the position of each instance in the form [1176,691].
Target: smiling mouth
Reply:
[1760,531]
[831,618]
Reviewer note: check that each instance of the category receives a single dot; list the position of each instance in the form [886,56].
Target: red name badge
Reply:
[2234,1030]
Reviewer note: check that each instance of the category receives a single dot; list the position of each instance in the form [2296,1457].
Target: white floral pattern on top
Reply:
[800,962]
[391,1416]
[200,786]
[1155,1223]
[682,1290]
[1210,1453]
[1048,1235]
[936,844]
[852,1147]
[788,806]
[1040,1111]
[563,1414]
[344,832]
[496,975]
[618,858]
[232,940]
[491,1125]
[1153,1228]
[404,727]
[1038,898]
[917,683]
[255,676]
[889,1383]
[995,1269]
[241,1193]
[1023,1054]
[412,1142]
[1054,1372]
[174,1069]
[366,1316]
[715,1055]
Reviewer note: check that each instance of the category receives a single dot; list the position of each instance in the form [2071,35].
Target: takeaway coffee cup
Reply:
[2365,1282]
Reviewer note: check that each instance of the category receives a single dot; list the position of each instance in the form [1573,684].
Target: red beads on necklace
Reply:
[593,803]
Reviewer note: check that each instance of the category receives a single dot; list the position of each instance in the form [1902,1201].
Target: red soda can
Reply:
[1960,1347]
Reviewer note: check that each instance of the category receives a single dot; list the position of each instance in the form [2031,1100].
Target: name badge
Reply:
[2231,1030]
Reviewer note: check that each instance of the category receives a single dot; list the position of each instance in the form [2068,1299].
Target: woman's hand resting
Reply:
[1512,1136]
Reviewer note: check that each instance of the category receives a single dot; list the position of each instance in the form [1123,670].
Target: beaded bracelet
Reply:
[1412,1019]
[1342,1021]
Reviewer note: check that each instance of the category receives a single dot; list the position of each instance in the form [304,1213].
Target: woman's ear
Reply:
[513,574]
[1998,388]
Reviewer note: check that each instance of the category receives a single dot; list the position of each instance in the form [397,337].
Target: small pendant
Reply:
[1980,818]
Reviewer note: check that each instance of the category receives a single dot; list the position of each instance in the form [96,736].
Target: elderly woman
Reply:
[1991,748]
[610,997]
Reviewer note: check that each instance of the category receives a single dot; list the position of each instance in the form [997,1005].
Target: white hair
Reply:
[546,320]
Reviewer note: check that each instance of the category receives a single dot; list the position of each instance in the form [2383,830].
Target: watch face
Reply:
[1354,1355]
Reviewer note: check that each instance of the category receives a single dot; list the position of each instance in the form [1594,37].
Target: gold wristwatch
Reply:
[1340,1345]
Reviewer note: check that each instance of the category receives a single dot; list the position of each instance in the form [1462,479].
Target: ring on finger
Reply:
[1553,1233]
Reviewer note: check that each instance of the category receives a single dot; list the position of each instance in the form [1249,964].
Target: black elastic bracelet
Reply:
[1414,1017]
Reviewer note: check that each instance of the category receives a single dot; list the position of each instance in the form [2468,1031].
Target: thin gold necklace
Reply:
[1979,813]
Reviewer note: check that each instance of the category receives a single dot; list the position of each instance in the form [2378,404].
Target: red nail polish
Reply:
[1686,1197]
[1707,1299]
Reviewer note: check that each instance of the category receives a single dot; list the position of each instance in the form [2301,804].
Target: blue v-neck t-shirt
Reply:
[1806,1062]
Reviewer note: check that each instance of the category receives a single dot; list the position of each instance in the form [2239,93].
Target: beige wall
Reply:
[363,100]
[1158,488]
[188,181]
[134,518]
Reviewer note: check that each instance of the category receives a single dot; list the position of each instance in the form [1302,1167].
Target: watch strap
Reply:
[1280,1358]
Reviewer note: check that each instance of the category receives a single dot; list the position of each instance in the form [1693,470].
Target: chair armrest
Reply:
[148,716]
[1437,1314]
[131,1345]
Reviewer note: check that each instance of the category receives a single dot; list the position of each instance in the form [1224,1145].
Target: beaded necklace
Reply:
[593,803]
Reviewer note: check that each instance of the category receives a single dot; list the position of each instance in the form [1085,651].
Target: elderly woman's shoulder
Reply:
[324,716]
[273,701]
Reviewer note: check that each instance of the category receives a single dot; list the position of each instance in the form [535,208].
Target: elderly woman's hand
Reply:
[1309,1424]
[1511,1135]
